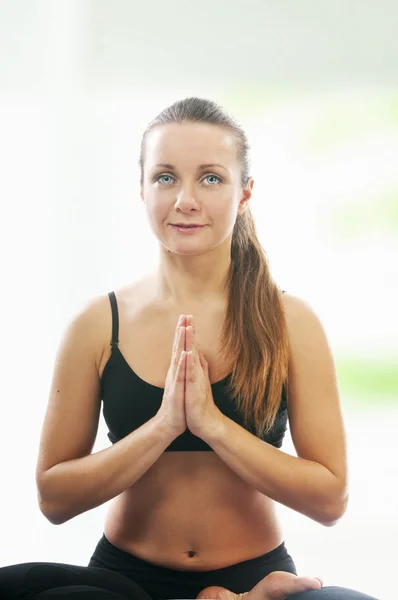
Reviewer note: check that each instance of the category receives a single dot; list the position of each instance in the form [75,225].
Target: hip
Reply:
[162,582]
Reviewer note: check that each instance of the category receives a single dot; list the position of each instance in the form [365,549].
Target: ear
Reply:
[246,195]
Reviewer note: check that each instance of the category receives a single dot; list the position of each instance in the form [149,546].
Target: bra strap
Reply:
[115,319]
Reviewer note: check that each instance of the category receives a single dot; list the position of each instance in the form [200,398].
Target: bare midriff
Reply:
[190,510]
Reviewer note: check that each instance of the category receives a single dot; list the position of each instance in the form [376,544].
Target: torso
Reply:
[169,517]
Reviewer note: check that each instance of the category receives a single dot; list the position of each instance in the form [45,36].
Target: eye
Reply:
[219,180]
[159,177]
[162,176]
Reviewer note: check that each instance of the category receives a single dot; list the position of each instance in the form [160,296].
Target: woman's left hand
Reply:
[202,414]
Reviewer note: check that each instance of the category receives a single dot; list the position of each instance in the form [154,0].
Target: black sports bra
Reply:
[129,401]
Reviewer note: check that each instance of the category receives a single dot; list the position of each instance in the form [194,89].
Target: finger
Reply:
[189,338]
[190,371]
[192,322]
[195,348]
[180,345]
[183,338]
[200,357]
[203,361]
[176,334]
[180,373]
[193,345]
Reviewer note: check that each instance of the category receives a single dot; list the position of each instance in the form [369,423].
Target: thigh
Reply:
[331,593]
[16,581]
[76,592]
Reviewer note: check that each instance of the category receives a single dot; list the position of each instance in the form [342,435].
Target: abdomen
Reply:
[190,510]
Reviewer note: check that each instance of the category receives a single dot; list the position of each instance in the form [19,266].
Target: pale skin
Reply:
[192,175]
[192,269]
[202,414]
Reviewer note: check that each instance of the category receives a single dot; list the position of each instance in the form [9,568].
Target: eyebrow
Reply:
[168,166]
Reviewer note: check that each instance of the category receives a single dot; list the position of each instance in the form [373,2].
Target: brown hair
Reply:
[254,335]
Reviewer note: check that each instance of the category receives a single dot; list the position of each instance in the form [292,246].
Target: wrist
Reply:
[215,428]
[163,427]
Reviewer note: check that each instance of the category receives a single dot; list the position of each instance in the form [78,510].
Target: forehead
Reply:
[190,144]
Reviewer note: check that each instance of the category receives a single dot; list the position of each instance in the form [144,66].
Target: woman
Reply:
[196,465]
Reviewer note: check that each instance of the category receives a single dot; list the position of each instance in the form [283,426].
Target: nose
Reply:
[185,199]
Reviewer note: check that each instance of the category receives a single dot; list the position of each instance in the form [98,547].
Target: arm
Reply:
[70,480]
[313,483]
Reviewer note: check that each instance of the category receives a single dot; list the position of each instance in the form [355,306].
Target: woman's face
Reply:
[177,188]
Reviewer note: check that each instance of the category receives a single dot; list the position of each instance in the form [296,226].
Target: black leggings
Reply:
[113,574]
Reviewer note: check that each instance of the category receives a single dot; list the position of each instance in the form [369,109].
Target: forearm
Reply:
[303,485]
[75,486]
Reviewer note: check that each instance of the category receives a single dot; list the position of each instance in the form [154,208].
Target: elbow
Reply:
[54,513]
[333,512]
[329,521]
[55,517]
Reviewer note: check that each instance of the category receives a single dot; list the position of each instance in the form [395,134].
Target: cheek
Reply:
[157,211]
[223,213]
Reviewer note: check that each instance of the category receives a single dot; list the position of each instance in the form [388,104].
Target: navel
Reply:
[191,553]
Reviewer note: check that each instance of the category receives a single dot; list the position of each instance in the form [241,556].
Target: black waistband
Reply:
[113,557]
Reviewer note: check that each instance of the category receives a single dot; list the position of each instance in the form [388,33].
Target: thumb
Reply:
[203,362]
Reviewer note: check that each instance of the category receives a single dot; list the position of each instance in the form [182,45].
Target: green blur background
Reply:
[315,86]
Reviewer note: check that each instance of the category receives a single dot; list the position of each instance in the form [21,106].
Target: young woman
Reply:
[199,365]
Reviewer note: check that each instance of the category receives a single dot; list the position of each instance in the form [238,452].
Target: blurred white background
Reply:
[315,84]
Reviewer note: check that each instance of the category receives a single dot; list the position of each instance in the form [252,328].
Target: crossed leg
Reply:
[280,585]
[276,586]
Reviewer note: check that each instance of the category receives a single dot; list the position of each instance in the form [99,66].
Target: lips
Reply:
[187,228]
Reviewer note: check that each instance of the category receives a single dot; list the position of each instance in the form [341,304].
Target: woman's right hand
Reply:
[172,410]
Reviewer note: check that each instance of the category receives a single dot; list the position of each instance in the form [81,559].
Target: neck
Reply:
[185,280]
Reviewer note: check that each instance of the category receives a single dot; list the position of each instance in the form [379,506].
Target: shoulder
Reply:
[90,321]
[93,317]
[97,310]
[298,309]
[295,306]
[301,317]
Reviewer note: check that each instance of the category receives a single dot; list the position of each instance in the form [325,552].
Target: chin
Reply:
[188,251]
[187,248]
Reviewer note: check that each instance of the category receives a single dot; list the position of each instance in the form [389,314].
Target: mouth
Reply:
[188,224]
[187,228]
